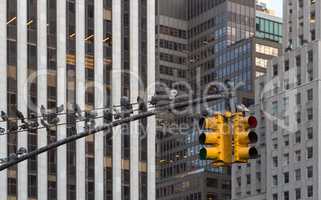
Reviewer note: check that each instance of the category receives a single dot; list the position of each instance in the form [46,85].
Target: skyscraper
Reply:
[288,110]
[86,52]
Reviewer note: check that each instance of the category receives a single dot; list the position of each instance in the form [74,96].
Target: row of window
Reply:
[166,30]
[297,139]
[298,62]
[298,194]
[297,176]
[286,157]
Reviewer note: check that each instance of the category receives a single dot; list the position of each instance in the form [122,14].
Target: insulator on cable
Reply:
[4,116]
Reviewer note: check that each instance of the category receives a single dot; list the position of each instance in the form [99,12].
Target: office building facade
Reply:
[287,108]
[90,53]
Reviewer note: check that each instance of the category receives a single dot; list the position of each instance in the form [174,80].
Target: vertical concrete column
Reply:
[42,95]
[3,92]
[61,99]
[116,94]
[22,93]
[151,123]
[99,98]
[80,98]
[134,93]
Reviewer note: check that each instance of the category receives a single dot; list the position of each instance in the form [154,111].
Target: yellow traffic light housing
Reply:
[217,138]
[243,137]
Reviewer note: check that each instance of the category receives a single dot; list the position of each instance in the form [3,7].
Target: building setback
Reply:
[77,52]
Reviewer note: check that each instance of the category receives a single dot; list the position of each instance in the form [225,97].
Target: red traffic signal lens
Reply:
[252,122]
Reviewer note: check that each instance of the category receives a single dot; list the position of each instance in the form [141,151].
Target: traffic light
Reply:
[243,137]
[217,138]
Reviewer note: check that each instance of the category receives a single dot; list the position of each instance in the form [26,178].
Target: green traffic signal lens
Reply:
[253,153]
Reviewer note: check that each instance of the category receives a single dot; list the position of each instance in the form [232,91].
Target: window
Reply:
[298,117]
[275,143]
[286,84]
[248,179]
[298,155]
[298,137]
[298,61]
[310,56]
[310,171]
[275,180]
[275,125]
[310,190]
[211,182]
[275,70]
[310,133]
[286,159]
[275,196]
[298,98]
[286,140]
[286,177]
[286,195]
[309,152]
[286,65]
[297,193]
[310,113]
[275,161]
[274,107]
[239,181]
[310,94]
[297,173]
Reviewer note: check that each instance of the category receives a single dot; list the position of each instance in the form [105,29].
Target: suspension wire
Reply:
[53,126]
[75,137]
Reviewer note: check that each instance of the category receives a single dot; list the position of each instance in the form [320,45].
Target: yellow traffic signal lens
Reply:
[252,137]
[202,138]
[203,154]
